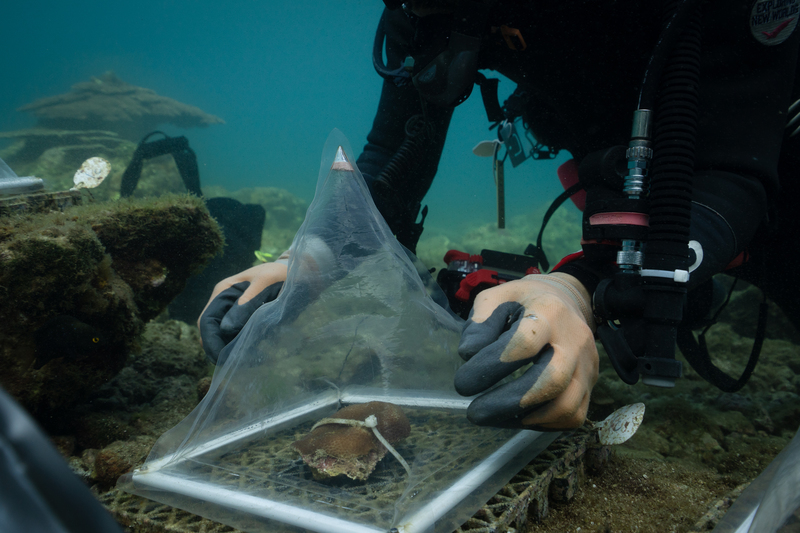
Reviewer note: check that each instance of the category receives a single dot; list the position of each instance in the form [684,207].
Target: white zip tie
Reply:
[370,422]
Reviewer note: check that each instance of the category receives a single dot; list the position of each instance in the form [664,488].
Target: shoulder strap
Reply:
[536,250]
[697,354]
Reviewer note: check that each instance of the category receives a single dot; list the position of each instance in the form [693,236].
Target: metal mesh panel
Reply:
[524,499]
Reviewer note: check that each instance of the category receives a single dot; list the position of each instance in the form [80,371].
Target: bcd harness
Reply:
[638,219]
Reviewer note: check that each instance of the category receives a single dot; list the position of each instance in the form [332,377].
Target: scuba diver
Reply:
[675,113]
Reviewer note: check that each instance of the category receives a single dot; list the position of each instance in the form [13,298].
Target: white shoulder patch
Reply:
[773,21]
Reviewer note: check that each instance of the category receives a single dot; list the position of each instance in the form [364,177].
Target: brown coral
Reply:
[335,449]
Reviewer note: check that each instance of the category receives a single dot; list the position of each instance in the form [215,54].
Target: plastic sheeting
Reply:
[354,323]
[5,171]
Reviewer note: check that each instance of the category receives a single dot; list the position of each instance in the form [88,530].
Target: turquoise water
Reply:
[281,75]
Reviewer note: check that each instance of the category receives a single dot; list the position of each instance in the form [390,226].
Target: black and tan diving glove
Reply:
[233,302]
[541,320]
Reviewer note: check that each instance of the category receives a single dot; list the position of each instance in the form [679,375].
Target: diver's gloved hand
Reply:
[233,301]
[543,319]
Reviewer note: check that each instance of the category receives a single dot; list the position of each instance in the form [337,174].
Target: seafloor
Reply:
[691,457]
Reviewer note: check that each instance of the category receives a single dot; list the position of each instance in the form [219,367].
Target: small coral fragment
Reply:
[335,449]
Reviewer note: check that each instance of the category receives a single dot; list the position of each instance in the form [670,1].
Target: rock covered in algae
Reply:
[335,449]
[110,266]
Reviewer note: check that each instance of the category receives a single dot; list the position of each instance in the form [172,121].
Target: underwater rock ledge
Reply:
[108,267]
[107,103]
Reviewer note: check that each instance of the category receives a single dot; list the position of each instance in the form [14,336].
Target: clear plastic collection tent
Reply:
[355,323]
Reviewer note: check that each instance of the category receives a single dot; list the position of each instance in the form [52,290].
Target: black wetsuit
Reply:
[582,71]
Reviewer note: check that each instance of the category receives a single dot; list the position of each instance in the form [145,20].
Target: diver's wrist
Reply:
[574,289]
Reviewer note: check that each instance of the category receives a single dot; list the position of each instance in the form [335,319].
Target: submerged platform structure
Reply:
[552,476]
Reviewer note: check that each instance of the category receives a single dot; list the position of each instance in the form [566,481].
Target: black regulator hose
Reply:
[395,175]
[377,50]
[399,75]
[418,133]
[675,22]
[670,196]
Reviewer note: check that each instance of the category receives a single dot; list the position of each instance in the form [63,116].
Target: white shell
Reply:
[92,173]
[485,148]
[621,424]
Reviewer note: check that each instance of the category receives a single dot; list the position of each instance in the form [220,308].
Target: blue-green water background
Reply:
[281,74]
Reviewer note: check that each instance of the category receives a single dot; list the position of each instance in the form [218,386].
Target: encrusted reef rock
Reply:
[108,103]
[156,389]
[335,449]
[119,458]
[77,287]
[115,427]
[742,313]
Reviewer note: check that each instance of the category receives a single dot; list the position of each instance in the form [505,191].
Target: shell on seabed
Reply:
[92,173]
[620,425]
